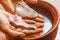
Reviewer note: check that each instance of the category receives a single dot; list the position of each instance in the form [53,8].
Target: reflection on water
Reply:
[47,24]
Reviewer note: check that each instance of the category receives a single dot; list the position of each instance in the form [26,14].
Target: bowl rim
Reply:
[46,4]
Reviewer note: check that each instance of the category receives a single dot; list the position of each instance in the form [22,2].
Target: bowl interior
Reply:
[50,18]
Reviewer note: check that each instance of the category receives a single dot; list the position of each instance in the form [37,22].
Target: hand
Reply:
[37,21]
[7,28]
[30,16]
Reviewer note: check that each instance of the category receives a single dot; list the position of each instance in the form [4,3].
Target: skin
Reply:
[7,14]
[7,25]
[30,1]
[4,26]
[1,7]
[8,5]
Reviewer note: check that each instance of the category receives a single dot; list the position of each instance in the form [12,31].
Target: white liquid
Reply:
[47,25]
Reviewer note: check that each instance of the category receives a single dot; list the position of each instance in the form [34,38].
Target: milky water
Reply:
[47,22]
[47,25]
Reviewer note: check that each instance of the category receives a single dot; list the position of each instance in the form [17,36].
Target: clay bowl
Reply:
[50,12]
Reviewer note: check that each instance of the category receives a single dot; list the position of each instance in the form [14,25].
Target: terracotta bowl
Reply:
[50,12]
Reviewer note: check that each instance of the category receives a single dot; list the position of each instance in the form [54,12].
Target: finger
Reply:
[32,31]
[29,21]
[5,13]
[15,1]
[26,31]
[19,29]
[12,27]
[16,33]
[5,27]
[39,20]
[40,16]
[8,5]
[39,25]
[39,30]
[31,1]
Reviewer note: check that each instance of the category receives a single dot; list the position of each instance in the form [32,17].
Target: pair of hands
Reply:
[5,26]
